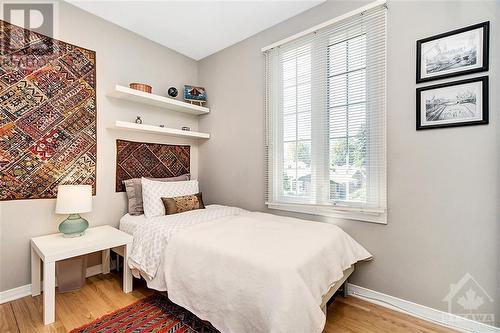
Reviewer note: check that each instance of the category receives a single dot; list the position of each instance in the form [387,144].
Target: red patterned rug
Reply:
[152,314]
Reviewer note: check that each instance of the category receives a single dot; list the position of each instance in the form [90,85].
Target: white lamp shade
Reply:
[74,199]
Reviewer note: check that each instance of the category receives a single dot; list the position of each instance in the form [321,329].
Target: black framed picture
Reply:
[459,103]
[457,52]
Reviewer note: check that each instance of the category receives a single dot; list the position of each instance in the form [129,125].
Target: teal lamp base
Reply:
[73,226]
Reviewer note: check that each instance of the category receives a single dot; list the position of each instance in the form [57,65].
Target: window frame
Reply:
[343,209]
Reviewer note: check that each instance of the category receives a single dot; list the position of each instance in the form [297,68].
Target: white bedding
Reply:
[129,223]
[258,272]
[151,235]
[243,271]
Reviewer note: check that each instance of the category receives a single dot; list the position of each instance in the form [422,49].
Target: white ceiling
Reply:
[196,28]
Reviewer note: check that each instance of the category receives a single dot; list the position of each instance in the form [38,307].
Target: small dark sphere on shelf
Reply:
[173,92]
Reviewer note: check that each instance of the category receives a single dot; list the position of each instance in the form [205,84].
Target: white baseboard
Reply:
[23,291]
[420,311]
[15,293]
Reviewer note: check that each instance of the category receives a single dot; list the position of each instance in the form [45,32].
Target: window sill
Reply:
[341,213]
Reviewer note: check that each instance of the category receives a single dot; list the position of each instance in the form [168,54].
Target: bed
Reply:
[242,271]
[224,260]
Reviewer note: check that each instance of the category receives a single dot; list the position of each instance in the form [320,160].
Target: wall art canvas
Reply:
[458,52]
[458,103]
[198,94]
[47,114]
[141,159]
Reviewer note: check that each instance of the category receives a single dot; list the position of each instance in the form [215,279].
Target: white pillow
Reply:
[153,191]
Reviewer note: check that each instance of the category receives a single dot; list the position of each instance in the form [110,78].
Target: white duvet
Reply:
[152,235]
[256,272]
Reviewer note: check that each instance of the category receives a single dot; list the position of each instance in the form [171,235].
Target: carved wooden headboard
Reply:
[140,159]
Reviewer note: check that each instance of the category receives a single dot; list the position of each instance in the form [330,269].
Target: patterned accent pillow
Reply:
[134,191]
[153,191]
[183,204]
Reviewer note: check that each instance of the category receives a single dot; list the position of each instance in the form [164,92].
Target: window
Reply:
[325,118]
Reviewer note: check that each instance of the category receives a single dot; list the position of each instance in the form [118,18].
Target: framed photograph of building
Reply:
[459,103]
[458,52]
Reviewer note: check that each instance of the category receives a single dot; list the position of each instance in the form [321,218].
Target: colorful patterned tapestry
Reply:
[139,159]
[47,114]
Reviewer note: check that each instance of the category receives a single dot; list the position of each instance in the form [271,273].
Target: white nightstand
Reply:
[52,248]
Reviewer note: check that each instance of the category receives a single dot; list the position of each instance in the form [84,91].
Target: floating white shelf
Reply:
[128,126]
[137,96]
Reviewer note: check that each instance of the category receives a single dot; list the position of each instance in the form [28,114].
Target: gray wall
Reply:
[122,57]
[442,184]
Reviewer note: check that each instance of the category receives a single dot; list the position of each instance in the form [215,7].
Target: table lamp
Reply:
[73,200]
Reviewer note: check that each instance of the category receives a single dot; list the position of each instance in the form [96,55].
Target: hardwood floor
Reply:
[102,294]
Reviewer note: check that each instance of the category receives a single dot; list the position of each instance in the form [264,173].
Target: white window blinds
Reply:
[325,117]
